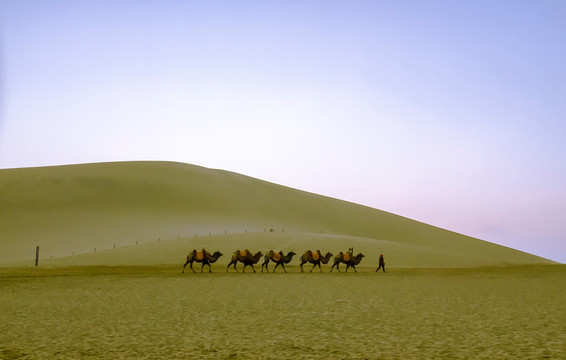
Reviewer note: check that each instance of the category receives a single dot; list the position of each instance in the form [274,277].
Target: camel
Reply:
[315,258]
[278,258]
[348,259]
[203,257]
[267,257]
[245,257]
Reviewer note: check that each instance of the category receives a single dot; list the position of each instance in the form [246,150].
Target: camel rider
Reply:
[381,263]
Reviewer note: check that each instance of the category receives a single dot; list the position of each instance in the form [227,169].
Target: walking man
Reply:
[381,263]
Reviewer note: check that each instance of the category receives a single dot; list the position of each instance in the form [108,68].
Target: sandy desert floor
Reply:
[157,312]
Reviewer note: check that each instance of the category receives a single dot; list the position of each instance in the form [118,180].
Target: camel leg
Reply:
[202,266]
[275,268]
[253,267]
[319,268]
[354,266]
[283,266]
[209,267]
[313,267]
[337,264]
[301,267]
[347,267]
[192,266]
[186,265]
[228,267]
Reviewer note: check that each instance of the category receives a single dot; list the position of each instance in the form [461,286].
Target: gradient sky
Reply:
[448,112]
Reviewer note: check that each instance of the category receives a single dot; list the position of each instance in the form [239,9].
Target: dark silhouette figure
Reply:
[381,263]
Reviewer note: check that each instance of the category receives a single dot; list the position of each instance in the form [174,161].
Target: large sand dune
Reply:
[149,213]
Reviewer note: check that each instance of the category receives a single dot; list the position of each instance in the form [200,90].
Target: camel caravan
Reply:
[247,258]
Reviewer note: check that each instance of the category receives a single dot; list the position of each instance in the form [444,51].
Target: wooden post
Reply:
[36,255]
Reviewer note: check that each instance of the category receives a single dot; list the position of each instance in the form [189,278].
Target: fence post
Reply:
[36,255]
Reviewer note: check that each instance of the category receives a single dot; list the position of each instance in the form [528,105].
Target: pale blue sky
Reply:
[448,112]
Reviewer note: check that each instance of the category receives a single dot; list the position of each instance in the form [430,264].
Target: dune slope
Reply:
[78,208]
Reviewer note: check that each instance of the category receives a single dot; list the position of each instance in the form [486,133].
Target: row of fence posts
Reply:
[158,240]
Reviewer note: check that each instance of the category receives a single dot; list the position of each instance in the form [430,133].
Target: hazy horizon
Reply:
[448,113]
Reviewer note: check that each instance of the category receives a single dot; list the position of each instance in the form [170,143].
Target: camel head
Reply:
[289,256]
[358,258]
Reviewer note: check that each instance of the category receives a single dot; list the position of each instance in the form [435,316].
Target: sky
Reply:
[452,113]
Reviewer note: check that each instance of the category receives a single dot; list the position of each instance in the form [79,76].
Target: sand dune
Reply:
[171,208]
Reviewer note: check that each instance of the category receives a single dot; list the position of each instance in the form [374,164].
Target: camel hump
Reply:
[315,256]
[199,255]
[244,252]
[347,257]
[276,256]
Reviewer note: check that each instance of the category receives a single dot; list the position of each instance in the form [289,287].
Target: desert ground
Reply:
[155,312]
[113,238]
